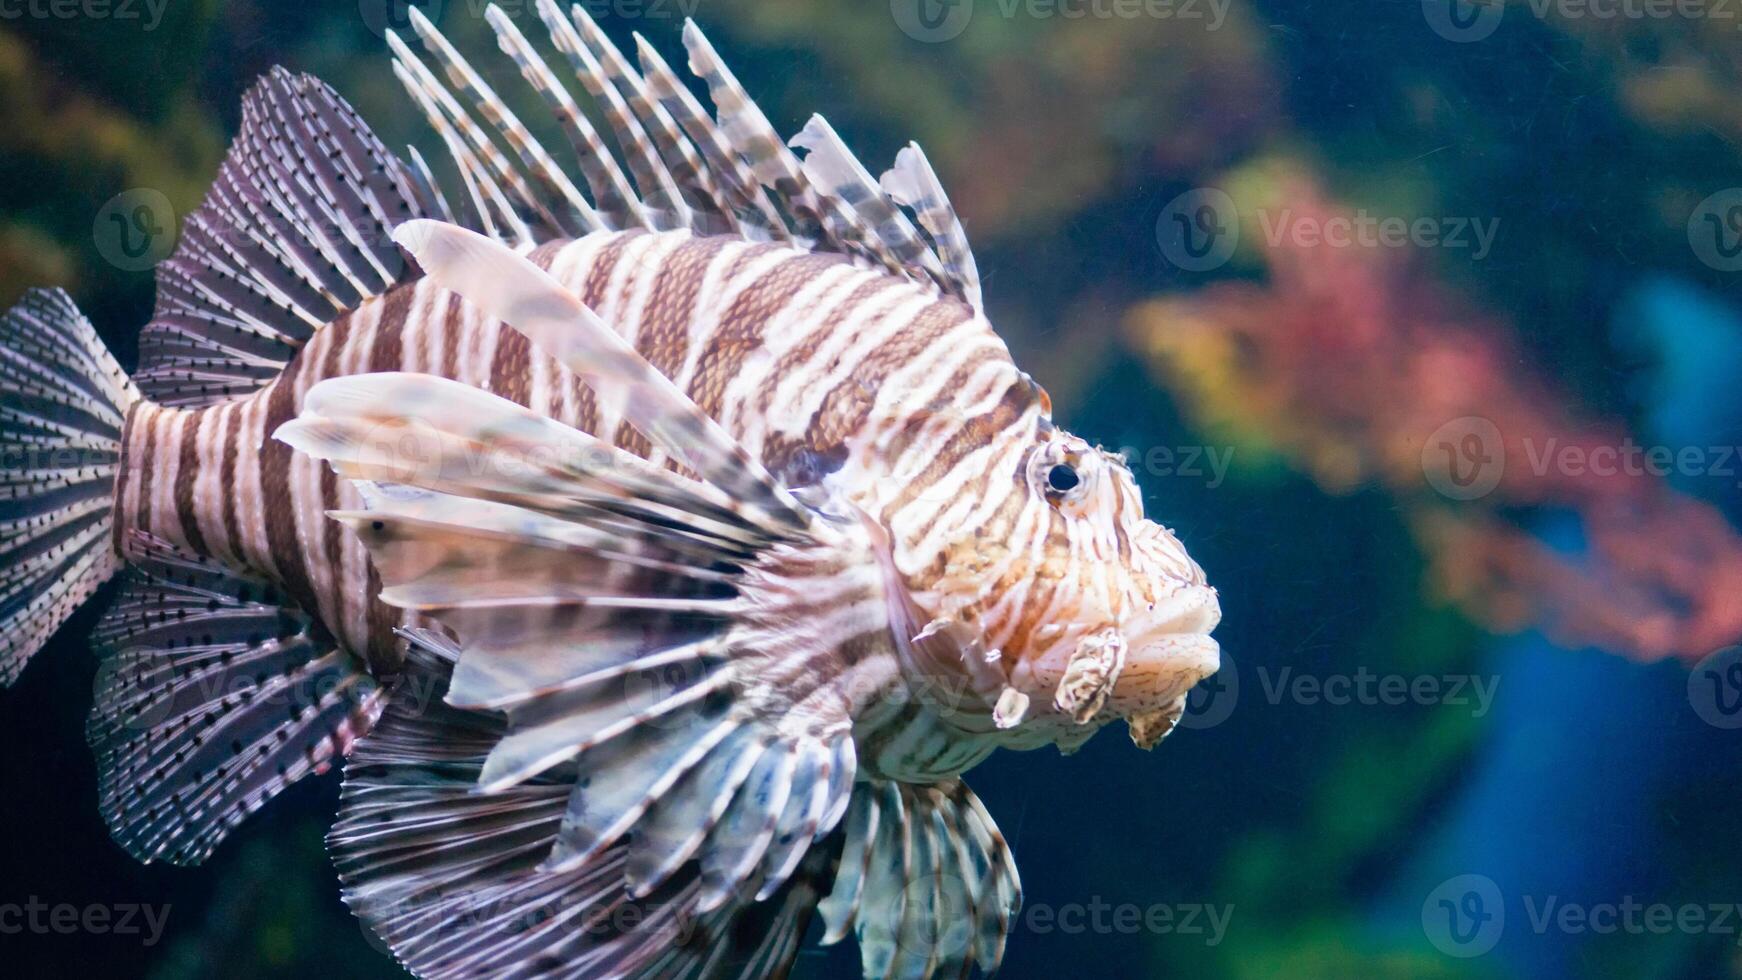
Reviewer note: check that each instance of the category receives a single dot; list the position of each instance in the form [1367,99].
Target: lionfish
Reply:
[656,556]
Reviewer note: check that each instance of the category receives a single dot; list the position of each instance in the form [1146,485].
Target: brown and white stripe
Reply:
[793,352]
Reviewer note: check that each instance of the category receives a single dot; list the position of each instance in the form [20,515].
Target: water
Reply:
[1420,323]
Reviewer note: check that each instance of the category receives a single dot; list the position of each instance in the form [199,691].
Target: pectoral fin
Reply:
[651,656]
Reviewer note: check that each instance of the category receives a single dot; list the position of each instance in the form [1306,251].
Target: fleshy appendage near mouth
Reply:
[1172,668]
[1143,673]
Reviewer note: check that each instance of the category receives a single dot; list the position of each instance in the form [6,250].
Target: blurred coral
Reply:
[1031,118]
[67,147]
[1355,364]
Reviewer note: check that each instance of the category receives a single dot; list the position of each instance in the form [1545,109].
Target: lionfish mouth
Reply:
[1142,670]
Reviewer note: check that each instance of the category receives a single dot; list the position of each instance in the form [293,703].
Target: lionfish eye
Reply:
[1062,478]
[1062,474]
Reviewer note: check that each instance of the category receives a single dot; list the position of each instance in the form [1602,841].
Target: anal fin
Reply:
[213,696]
[455,881]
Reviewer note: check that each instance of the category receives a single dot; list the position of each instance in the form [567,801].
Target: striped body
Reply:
[740,680]
[812,362]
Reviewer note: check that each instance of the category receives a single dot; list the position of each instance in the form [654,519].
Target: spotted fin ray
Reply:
[643,656]
[647,635]
[63,406]
[214,695]
[678,649]
[293,233]
[682,167]
[505,285]
[451,879]
[926,882]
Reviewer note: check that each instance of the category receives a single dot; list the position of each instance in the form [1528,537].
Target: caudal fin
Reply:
[63,401]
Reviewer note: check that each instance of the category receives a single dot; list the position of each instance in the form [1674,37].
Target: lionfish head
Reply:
[1090,611]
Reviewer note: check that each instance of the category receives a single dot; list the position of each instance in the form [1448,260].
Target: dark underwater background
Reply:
[1481,709]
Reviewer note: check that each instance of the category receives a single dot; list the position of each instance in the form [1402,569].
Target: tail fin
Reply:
[63,401]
